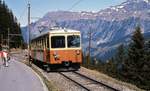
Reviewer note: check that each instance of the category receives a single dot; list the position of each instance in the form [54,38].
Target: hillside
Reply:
[110,27]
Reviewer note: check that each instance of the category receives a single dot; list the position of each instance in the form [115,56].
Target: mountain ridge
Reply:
[110,27]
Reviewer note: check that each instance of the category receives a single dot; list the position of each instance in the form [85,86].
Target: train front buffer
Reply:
[66,57]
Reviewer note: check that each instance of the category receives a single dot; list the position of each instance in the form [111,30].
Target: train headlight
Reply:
[56,56]
[78,52]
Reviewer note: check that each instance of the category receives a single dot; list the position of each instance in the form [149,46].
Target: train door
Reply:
[47,49]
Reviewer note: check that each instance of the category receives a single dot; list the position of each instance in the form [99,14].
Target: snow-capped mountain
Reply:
[110,27]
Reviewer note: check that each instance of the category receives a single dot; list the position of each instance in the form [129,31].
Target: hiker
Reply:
[0,53]
[5,56]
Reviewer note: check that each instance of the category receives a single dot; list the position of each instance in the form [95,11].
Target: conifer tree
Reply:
[136,65]
[120,56]
[147,50]
[146,65]
[9,22]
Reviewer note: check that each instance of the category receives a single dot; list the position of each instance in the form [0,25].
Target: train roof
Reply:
[63,30]
[56,31]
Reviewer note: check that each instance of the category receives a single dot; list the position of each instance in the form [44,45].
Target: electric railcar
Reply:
[58,48]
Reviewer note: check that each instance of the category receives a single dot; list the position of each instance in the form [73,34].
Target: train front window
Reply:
[58,42]
[73,41]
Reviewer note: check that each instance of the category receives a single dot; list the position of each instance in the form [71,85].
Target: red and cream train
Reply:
[58,47]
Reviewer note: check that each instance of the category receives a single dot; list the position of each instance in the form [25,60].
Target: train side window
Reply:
[38,44]
[58,41]
[45,42]
[35,44]
[42,43]
[47,39]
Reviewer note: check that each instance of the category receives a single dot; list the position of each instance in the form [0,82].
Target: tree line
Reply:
[9,24]
[131,63]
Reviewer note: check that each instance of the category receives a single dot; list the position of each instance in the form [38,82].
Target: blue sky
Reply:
[40,7]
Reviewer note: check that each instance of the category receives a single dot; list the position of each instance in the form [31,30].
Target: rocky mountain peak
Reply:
[137,1]
[111,26]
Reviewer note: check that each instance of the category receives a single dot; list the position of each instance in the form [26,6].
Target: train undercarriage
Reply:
[64,66]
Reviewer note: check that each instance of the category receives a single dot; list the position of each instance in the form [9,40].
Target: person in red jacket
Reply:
[4,53]
[0,53]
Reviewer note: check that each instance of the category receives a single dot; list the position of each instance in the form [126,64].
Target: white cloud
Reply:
[147,1]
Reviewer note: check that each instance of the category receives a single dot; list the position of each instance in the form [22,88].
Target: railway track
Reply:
[87,83]
[75,81]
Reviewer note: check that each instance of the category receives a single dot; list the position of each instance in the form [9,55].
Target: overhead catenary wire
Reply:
[28,1]
[23,13]
[38,11]
[75,4]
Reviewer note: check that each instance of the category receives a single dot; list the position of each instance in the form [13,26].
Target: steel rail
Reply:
[85,77]
[114,89]
[74,81]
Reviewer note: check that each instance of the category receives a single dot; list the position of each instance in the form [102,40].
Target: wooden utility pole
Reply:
[29,46]
[90,43]
[29,22]
[89,48]
[1,38]
[8,39]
